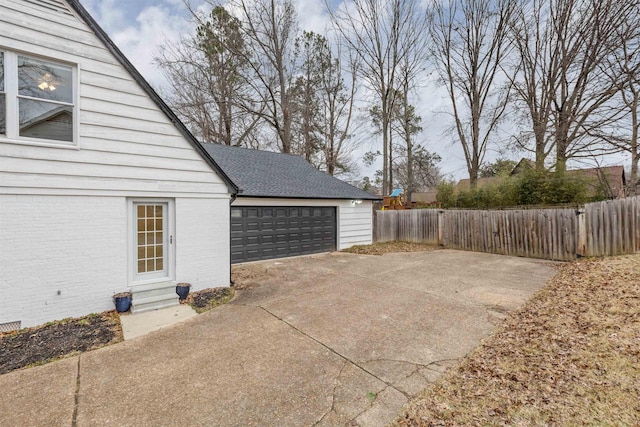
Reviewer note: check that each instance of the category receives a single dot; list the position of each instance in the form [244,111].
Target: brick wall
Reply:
[60,256]
[65,256]
[202,242]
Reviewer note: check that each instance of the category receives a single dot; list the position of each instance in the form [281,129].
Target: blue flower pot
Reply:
[122,304]
[182,291]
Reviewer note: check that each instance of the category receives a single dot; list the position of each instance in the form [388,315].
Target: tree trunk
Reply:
[634,179]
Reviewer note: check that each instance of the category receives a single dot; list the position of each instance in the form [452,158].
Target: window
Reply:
[36,99]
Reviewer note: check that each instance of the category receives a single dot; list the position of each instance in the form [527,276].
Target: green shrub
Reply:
[446,194]
[529,188]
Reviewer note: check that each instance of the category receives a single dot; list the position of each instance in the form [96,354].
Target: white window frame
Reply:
[12,97]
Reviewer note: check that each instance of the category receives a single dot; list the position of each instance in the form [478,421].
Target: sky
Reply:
[140,27]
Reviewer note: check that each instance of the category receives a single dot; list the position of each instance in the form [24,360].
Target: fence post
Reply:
[374,226]
[441,227]
[581,248]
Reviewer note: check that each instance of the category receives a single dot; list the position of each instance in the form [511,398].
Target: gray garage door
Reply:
[260,232]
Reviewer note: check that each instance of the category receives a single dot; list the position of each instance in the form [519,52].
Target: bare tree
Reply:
[206,73]
[309,49]
[269,28]
[624,68]
[425,173]
[337,93]
[470,44]
[562,46]
[323,103]
[380,33]
[630,94]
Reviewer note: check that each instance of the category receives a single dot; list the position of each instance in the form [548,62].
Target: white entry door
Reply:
[151,240]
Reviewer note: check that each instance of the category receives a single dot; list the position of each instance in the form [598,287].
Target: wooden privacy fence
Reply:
[612,227]
[604,228]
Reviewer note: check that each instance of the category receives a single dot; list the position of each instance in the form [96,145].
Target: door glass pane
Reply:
[150,225]
[45,120]
[45,80]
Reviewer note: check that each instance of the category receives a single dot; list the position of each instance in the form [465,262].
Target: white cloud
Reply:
[155,27]
[140,38]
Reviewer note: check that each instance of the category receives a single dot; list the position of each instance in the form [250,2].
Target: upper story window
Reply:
[37,99]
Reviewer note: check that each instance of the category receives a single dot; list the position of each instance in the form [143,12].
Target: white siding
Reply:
[355,221]
[125,142]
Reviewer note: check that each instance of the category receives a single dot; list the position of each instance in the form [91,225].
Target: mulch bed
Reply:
[68,337]
[42,344]
[570,356]
[389,247]
[207,299]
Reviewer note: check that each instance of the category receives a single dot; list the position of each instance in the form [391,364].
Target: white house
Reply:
[102,189]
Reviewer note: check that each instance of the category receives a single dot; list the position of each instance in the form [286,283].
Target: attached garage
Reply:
[285,207]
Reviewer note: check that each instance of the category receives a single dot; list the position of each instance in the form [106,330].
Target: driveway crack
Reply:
[420,365]
[342,356]
[76,397]
[333,394]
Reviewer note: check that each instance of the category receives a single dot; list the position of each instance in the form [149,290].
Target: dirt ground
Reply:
[570,356]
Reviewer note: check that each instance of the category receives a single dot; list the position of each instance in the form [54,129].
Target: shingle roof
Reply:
[268,174]
[110,45]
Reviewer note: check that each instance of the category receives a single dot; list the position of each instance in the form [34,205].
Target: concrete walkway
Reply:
[139,324]
[331,340]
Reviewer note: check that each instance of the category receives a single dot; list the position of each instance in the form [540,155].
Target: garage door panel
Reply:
[259,233]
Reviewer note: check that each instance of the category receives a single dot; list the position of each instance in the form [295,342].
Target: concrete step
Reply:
[141,305]
[153,290]
[153,296]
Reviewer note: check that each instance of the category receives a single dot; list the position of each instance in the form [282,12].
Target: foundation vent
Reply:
[10,326]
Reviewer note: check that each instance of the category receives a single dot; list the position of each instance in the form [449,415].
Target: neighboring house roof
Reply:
[424,196]
[465,184]
[102,35]
[268,174]
[610,179]
[523,166]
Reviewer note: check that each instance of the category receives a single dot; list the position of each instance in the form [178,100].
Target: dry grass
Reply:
[571,356]
[389,247]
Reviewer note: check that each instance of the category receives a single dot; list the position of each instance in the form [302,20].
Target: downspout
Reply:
[233,199]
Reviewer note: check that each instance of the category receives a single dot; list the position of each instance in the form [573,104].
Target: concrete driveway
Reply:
[335,339]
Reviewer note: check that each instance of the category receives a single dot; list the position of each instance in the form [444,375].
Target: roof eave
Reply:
[102,35]
[262,196]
